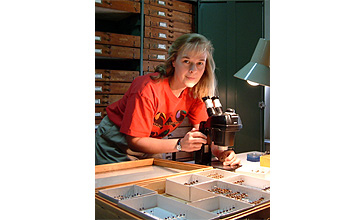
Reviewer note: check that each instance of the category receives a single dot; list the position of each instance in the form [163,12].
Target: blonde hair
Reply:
[198,44]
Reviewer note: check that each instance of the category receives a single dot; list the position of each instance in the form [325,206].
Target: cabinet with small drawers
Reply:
[132,37]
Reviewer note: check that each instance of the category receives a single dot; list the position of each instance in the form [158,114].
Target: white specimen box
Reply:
[259,172]
[217,172]
[175,186]
[220,205]
[253,194]
[160,207]
[125,192]
[249,181]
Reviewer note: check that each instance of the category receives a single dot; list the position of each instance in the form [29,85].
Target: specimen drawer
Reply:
[111,87]
[115,75]
[117,51]
[117,39]
[120,5]
[162,34]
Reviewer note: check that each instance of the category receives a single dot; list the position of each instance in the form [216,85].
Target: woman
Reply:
[157,103]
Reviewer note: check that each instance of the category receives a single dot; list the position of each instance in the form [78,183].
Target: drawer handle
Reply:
[170,25]
[170,4]
[171,36]
[170,15]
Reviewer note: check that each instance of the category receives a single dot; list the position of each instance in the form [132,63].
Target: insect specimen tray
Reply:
[137,190]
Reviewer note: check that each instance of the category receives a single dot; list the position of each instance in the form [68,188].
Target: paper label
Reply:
[161,57]
[98,38]
[97,101]
[162,46]
[98,114]
[161,13]
[162,35]
[98,88]
[98,75]
[98,51]
[161,3]
[98,1]
[162,24]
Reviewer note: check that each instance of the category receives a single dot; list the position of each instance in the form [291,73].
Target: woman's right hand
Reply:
[193,140]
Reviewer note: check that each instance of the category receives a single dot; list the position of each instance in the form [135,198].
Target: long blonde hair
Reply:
[198,44]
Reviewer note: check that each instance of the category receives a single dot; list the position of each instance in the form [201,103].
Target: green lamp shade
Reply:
[258,69]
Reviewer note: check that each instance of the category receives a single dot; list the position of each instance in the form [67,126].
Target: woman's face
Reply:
[189,68]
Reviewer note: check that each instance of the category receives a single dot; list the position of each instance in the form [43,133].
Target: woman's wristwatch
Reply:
[178,145]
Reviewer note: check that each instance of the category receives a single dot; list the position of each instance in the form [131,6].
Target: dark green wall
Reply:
[234,27]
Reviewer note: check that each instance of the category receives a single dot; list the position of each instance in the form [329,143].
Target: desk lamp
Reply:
[257,71]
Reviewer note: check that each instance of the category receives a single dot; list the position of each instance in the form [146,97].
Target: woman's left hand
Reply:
[229,158]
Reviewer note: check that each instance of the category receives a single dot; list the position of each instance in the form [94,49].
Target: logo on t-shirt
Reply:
[164,124]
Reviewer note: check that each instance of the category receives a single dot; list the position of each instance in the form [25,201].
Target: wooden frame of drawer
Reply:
[155,44]
[155,55]
[168,14]
[105,99]
[120,5]
[111,88]
[100,112]
[117,51]
[172,4]
[167,24]
[117,39]
[161,34]
[115,75]
[149,66]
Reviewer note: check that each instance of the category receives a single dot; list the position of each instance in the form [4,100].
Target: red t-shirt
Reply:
[150,109]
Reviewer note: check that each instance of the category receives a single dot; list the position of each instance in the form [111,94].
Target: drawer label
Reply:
[161,57]
[98,1]
[98,51]
[98,88]
[98,75]
[162,24]
[98,114]
[161,13]
[162,35]
[161,3]
[162,46]
[97,101]
[98,38]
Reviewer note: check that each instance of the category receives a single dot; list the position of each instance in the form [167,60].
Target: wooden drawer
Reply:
[161,34]
[115,75]
[155,44]
[120,5]
[160,12]
[155,55]
[117,51]
[182,6]
[111,88]
[100,112]
[172,4]
[149,66]
[104,100]
[117,39]
[167,24]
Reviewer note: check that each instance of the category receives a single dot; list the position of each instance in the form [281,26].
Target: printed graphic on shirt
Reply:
[164,124]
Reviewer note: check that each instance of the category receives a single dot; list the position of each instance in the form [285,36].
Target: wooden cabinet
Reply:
[132,37]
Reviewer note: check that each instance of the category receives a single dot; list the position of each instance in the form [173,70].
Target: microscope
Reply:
[219,128]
